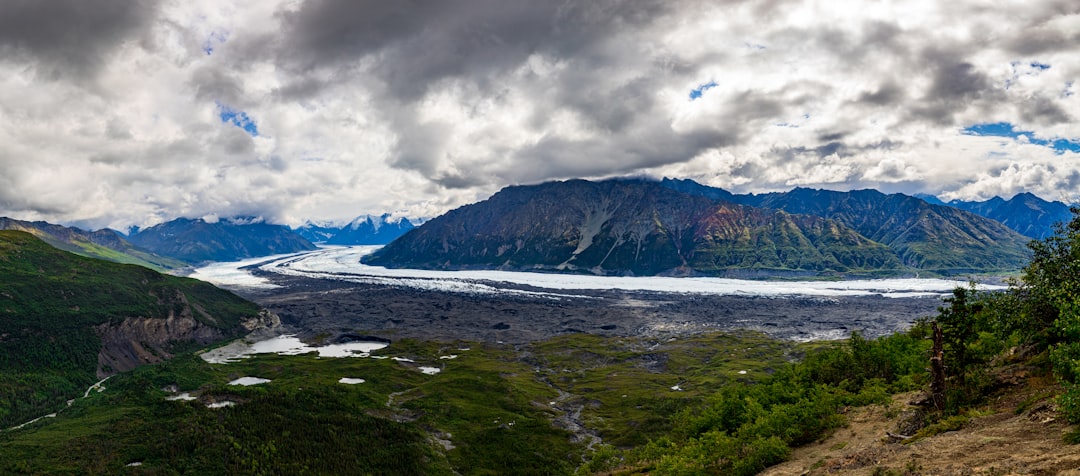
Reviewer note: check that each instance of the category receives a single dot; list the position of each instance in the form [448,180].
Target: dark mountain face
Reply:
[197,241]
[629,228]
[102,244]
[924,236]
[1025,213]
[693,188]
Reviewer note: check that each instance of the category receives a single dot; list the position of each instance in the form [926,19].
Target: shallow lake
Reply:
[288,345]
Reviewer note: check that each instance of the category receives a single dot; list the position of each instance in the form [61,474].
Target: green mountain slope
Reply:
[67,320]
[924,236]
[623,227]
[101,244]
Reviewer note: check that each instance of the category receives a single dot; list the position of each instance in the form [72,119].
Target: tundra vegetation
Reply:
[712,404]
[52,301]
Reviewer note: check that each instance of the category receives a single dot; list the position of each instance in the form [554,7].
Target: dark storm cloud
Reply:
[955,85]
[215,84]
[1042,111]
[1038,37]
[413,44]
[409,47]
[556,157]
[832,136]
[610,107]
[887,94]
[70,38]
[643,142]
[828,148]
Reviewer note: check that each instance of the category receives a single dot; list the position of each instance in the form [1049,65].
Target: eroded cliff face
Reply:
[139,340]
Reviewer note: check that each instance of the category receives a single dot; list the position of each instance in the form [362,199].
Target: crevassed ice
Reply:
[343,263]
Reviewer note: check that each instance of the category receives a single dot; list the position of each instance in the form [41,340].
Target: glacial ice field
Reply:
[343,263]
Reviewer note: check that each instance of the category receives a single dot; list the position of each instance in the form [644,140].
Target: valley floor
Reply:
[321,307]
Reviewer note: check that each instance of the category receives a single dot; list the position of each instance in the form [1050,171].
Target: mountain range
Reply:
[198,240]
[679,235]
[923,235]
[104,244]
[1025,213]
[364,230]
[681,227]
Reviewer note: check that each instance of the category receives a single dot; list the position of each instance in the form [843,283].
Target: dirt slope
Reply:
[1003,442]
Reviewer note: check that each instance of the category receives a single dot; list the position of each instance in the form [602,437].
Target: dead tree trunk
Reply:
[937,372]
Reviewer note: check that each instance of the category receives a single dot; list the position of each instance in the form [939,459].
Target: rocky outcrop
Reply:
[139,340]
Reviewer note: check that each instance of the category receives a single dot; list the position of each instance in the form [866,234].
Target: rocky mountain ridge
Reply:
[924,236]
[630,228]
[363,230]
[198,240]
[1025,213]
[103,244]
[639,227]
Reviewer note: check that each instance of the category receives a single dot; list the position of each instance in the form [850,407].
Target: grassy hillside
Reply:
[101,244]
[492,409]
[710,404]
[50,303]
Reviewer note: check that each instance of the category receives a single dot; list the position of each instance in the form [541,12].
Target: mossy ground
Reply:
[488,411]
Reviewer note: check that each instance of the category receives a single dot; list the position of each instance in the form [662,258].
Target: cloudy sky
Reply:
[121,112]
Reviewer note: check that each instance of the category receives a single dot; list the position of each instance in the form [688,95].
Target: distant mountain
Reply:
[924,236]
[624,227]
[68,320]
[929,199]
[1025,213]
[103,244]
[197,240]
[364,230]
[372,230]
[317,233]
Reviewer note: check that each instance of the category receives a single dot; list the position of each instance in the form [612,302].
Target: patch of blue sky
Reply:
[237,118]
[1020,68]
[1005,129]
[698,91]
[216,38]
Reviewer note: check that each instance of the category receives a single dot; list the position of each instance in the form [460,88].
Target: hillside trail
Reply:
[1004,442]
[97,386]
